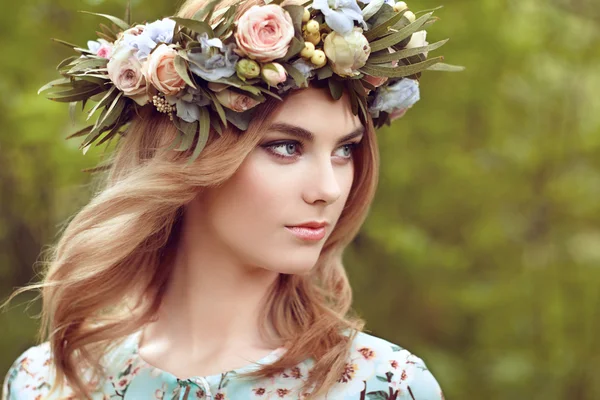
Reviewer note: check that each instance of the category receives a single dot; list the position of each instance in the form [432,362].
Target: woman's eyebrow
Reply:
[308,135]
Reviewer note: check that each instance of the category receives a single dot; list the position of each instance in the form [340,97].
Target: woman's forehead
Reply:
[314,110]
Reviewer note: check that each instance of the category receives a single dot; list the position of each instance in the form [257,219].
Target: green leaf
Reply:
[194,25]
[73,46]
[382,28]
[188,130]
[218,107]
[405,53]
[128,13]
[227,21]
[216,125]
[324,72]
[397,37]
[66,61]
[109,96]
[398,72]
[94,78]
[105,36]
[76,94]
[268,92]
[296,46]
[205,12]
[111,113]
[446,67]
[296,75]
[203,135]
[296,12]
[88,63]
[336,88]
[54,83]
[431,21]
[117,21]
[182,70]
[428,10]
[80,132]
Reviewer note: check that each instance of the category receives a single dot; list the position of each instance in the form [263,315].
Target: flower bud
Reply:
[247,69]
[410,16]
[273,74]
[400,6]
[306,15]
[308,50]
[314,38]
[312,26]
[319,58]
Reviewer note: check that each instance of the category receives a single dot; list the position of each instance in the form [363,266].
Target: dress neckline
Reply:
[271,357]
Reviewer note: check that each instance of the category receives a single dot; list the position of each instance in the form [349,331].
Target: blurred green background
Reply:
[481,253]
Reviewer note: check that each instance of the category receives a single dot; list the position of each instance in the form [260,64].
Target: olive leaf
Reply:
[398,72]
[405,53]
[382,29]
[202,135]
[446,67]
[188,131]
[108,97]
[117,21]
[182,70]
[403,33]
[194,25]
[296,75]
[80,132]
[336,88]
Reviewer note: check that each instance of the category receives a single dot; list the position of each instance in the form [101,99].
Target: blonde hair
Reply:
[105,277]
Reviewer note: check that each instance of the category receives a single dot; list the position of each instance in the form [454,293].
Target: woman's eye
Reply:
[349,148]
[284,150]
[289,149]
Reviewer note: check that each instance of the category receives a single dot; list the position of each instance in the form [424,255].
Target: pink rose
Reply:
[160,70]
[264,32]
[235,101]
[104,51]
[125,71]
[273,74]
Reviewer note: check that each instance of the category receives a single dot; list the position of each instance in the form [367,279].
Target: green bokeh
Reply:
[481,253]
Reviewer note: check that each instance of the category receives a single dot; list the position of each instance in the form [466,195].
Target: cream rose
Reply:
[418,40]
[160,70]
[125,71]
[235,101]
[264,32]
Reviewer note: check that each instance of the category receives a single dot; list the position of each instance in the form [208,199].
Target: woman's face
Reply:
[301,171]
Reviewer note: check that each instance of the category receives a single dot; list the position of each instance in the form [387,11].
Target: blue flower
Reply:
[340,14]
[189,103]
[214,60]
[400,95]
[161,31]
[144,38]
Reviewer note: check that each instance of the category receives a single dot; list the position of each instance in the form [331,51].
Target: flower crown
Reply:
[213,69]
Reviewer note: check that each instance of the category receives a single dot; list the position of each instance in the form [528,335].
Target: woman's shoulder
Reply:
[384,370]
[29,375]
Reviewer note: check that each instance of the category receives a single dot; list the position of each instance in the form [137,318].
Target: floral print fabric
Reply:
[376,370]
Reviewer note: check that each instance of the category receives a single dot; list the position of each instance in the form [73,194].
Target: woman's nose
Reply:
[322,183]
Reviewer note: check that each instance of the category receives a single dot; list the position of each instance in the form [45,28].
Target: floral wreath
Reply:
[213,69]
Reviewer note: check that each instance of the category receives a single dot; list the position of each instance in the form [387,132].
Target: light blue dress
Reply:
[376,370]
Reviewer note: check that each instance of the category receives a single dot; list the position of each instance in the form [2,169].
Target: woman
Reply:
[214,269]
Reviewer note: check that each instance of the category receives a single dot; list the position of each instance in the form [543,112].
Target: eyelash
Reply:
[270,147]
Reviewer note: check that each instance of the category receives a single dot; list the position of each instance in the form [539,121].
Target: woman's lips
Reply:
[306,233]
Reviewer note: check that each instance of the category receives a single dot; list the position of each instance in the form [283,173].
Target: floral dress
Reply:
[375,370]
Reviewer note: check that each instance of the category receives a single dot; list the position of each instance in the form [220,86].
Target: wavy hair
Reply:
[105,277]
